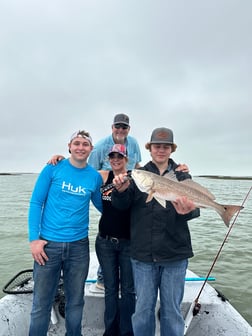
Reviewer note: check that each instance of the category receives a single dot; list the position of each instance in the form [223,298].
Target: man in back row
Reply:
[98,158]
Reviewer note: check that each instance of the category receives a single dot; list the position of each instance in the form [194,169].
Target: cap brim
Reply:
[118,153]
[161,142]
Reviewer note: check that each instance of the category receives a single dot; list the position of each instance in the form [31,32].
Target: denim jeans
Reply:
[73,260]
[115,262]
[169,279]
[100,275]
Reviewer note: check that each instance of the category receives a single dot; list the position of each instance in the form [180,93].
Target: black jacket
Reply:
[157,233]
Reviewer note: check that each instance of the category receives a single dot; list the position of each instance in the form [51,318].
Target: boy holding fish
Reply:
[160,241]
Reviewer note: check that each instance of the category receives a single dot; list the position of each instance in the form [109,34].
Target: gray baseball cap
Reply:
[162,135]
[121,119]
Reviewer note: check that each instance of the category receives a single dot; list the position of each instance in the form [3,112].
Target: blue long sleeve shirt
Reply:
[98,158]
[59,206]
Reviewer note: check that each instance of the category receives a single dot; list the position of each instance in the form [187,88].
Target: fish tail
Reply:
[227,211]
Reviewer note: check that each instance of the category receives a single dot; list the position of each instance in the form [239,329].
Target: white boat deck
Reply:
[216,317]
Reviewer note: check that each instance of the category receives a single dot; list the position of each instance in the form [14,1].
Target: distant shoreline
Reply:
[15,173]
[221,177]
[226,177]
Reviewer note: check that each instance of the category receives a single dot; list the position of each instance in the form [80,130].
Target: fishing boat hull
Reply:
[217,317]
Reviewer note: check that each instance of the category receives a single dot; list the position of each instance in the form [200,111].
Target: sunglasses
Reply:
[116,156]
[123,126]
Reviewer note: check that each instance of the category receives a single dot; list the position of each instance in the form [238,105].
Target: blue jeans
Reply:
[115,262]
[100,275]
[169,279]
[73,260]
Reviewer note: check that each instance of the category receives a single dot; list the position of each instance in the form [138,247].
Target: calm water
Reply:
[233,270]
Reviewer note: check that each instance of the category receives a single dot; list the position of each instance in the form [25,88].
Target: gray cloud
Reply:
[73,65]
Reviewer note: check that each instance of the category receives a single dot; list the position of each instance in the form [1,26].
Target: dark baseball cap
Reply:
[162,135]
[121,119]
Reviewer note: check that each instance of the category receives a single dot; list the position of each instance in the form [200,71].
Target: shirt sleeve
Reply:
[94,160]
[96,195]
[139,158]
[37,202]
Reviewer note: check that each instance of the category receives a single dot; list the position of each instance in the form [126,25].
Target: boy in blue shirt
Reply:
[58,234]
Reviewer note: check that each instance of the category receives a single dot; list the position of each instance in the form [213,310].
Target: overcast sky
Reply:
[70,65]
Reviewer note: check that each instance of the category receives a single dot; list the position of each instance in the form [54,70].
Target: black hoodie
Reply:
[157,233]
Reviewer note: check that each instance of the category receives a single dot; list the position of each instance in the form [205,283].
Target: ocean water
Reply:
[232,269]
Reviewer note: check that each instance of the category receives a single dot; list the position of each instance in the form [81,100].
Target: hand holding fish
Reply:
[121,182]
[183,205]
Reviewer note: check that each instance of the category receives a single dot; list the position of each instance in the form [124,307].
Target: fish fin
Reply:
[171,175]
[161,201]
[192,184]
[150,196]
[228,212]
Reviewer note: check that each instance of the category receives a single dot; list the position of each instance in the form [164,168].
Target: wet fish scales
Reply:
[168,188]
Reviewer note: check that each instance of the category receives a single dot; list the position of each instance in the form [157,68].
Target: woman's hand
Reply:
[121,182]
